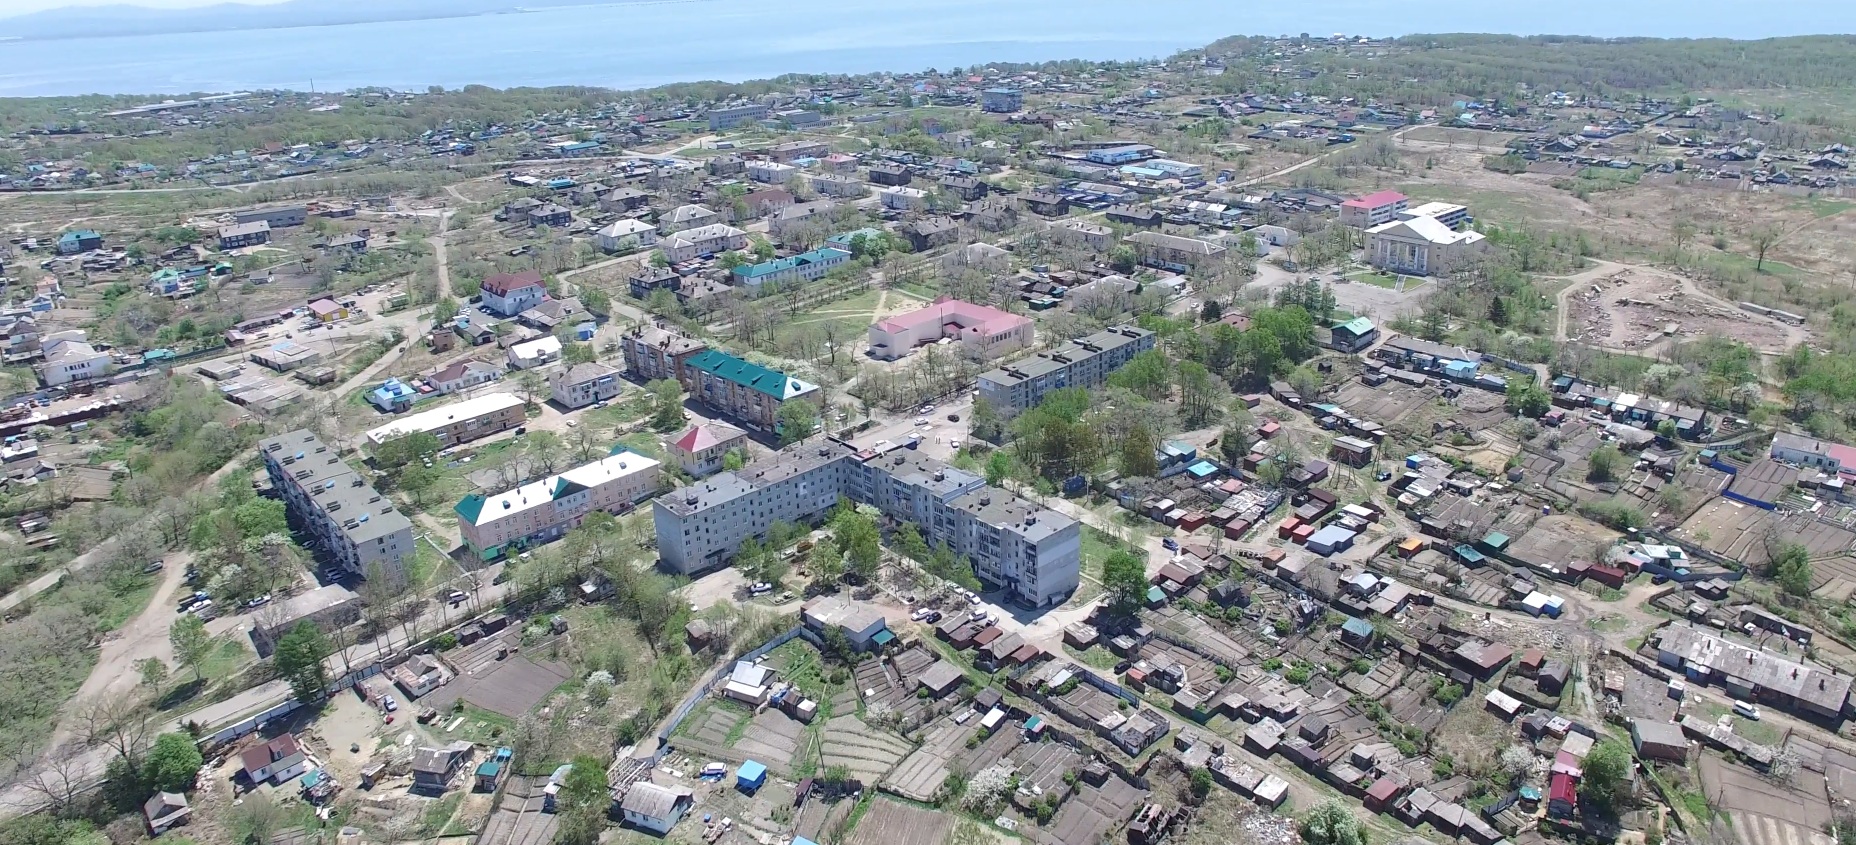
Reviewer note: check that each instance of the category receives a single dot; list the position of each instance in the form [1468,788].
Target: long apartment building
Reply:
[545,509]
[355,526]
[458,422]
[1032,551]
[1083,362]
[736,388]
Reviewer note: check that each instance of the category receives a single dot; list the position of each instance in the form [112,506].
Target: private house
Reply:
[584,384]
[459,422]
[1140,217]
[1173,252]
[509,294]
[748,392]
[625,235]
[71,359]
[1373,209]
[393,396]
[904,199]
[244,235]
[806,266]
[462,375]
[889,175]
[535,353]
[544,510]
[860,623]
[700,448]
[703,241]
[557,216]
[657,809]
[686,217]
[433,768]
[930,233]
[1354,335]
[165,811]
[652,354]
[553,313]
[727,165]
[983,332]
[767,201]
[1421,246]
[276,761]
[79,240]
[419,675]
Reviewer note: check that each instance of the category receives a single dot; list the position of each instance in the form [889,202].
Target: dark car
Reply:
[953,418]
[1122,667]
[932,617]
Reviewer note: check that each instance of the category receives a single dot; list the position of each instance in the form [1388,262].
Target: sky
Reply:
[9,8]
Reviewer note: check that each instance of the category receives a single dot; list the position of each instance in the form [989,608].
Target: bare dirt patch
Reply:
[1642,308]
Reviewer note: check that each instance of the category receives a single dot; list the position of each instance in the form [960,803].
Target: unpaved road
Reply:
[145,636]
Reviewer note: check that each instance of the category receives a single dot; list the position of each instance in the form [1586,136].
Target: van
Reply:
[963,717]
[1746,710]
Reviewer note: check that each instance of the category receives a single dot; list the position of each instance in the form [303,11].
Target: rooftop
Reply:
[983,319]
[482,510]
[503,284]
[754,376]
[437,418]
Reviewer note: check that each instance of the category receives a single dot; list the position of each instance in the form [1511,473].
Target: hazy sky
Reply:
[9,8]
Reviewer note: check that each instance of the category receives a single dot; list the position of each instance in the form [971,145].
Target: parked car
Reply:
[759,588]
[920,614]
[387,702]
[260,601]
[1746,710]
[973,599]
[1170,544]
[932,617]
[456,597]
[153,567]
[927,409]
[953,418]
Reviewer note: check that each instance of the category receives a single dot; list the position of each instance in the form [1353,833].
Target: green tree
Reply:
[154,673]
[798,420]
[1331,823]
[1607,772]
[1527,398]
[826,564]
[583,802]
[1123,258]
[298,660]
[1148,374]
[984,422]
[856,535]
[908,540]
[416,480]
[666,405]
[1791,567]
[191,643]
[1602,465]
[1124,579]
[1136,454]
[401,451]
[734,459]
[998,468]
[173,763]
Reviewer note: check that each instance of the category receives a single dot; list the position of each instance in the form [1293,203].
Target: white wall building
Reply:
[543,510]
[1421,246]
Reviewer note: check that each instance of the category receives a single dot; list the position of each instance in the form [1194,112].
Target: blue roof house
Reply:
[393,396]
[751,776]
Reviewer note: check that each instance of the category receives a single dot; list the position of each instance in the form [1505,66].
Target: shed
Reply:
[751,776]
[1659,740]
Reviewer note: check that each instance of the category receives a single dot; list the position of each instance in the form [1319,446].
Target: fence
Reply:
[695,696]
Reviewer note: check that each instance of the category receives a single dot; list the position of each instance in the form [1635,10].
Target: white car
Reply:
[921,420]
[973,599]
[927,409]
[920,614]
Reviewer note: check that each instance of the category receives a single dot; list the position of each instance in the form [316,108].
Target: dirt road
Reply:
[145,636]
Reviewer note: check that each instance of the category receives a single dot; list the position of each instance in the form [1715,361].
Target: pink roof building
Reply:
[983,331]
[1373,209]
[700,448]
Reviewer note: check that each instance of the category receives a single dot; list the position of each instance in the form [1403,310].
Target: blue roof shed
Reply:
[751,776]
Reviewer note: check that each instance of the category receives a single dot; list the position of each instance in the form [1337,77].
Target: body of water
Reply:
[634,45]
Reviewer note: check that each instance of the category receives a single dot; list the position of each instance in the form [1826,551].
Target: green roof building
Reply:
[742,389]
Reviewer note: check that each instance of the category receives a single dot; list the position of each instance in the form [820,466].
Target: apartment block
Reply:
[1084,362]
[543,510]
[1373,209]
[653,354]
[347,520]
[459,422]
[742,390]
[1033,552]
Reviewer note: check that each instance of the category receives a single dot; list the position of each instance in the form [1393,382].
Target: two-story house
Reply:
[509,294]
[584,384]
[700,448]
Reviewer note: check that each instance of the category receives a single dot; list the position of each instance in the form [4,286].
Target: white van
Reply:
[1746,710]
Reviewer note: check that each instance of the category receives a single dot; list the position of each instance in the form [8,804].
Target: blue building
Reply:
[393,396]
[751,776]
[807,265]
[79,240]
[1119,155]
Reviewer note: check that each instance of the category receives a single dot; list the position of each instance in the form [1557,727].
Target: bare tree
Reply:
[1763,239]
[58,777]
[118,723]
